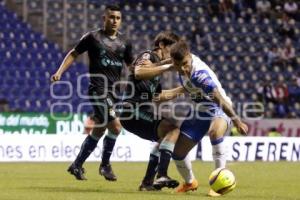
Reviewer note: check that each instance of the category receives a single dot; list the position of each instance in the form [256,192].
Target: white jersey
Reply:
[201,84]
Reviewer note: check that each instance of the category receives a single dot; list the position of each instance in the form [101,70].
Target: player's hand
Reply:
[55,77]
[145,63]
[241,127]
[166,61]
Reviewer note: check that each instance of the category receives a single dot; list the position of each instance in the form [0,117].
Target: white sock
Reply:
[219,154]
[184,168]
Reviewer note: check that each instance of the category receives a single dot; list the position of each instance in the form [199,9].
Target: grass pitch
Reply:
[44,181]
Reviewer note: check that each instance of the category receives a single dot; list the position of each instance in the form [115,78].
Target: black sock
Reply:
[164,161]
[87,147]
[151,169]
[108,146]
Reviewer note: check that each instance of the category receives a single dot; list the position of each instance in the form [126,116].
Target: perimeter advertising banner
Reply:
[45,137]
[255,149]
[37,148]
[41,123]
[14,148]
[45,123]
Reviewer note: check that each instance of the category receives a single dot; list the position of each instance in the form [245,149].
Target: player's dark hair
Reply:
[166,37]
[179,50]
[112,7]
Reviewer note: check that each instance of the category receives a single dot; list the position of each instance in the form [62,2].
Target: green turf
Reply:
[22,181]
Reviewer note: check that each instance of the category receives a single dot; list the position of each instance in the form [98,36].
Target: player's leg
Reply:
[147,182]
[192,131]
[87,147]
[100,107]
[114,129]
[169,134]
[184,166]
[147,126]
[144,124]
[216,132]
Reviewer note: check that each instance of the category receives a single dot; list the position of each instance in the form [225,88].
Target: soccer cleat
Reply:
[212,193]
[107,172]
[146,187]
[185,187]
[165,181]
[78,172]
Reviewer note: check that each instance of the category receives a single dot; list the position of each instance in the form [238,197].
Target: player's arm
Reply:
[166,61]
[228,109]
[145,73]
[128,54]
[145,69]
[66,63]
[203,80]
[148,63]
[170,94]
[80,48]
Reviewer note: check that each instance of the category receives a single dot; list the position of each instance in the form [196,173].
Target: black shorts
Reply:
[141,123]
[103,107]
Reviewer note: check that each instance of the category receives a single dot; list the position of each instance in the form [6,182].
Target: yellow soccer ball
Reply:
[222,180]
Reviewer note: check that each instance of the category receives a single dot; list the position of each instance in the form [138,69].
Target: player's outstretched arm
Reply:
[148,70]
[227,108]
[66,63]
[170,94]
[166,61]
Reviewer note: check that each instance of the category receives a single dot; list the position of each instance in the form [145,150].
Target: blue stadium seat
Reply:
[235,45]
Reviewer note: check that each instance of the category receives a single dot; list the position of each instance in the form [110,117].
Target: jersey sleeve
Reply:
[203,80]
[83,44]
[128,54]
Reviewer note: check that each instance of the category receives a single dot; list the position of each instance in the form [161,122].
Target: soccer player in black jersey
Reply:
[107,49]
[138,117]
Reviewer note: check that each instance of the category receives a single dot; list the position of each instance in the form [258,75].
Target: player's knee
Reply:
[116,130]
[215,134]
[114,127]
[165,127]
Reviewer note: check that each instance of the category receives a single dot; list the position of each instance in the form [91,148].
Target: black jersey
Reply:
[106,57]
[143,90]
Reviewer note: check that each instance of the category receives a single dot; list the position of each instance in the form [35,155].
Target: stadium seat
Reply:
[235,45]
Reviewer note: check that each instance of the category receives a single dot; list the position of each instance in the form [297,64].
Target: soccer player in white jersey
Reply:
[212,114]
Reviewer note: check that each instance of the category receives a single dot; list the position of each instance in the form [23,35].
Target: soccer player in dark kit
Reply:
[138,117]
[107,49]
